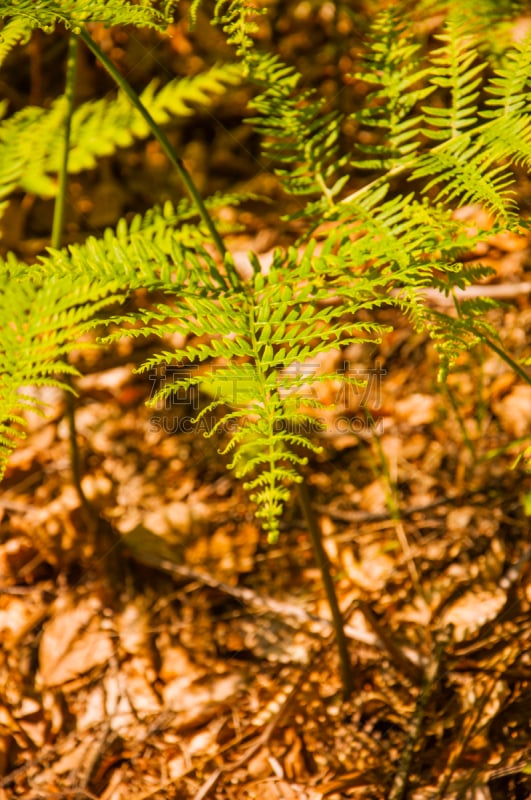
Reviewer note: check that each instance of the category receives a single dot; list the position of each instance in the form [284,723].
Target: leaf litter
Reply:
[182,657]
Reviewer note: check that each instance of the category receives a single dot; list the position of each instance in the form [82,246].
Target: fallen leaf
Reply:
[72,643]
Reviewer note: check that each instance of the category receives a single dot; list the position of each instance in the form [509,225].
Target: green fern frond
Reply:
[510,88]
[489,19]
[29,140]
[300,137]
[259,341]
[118,124]
[466,172]
[458,276]
[455,335]
[46,14]
[40,324]
[455,71]
[238,19]
[14,31]
[392,64]
[160,249]
[508,140]
[26,141]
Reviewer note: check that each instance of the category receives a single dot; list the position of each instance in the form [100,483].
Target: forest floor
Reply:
[155,646]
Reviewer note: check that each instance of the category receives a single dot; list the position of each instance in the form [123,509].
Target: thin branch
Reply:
[56,242]
[161,138]
[321,557]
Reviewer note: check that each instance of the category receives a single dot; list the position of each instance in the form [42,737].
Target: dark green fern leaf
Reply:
[300,138]
[73,14]
[393,66]
[457,72]
[41,323]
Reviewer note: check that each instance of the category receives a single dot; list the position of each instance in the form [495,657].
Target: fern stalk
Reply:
[161,138]
[514,365]
[56,240]
[345,666]
[315,534]
[60,202]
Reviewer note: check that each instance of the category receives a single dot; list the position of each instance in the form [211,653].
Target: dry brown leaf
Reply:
[277,789]
[514,411]
[474,609]
[373,497]
[72,642]
[416,409]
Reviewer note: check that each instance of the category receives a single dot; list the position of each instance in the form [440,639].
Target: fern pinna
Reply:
[258,337]
[437,123]
[41,323]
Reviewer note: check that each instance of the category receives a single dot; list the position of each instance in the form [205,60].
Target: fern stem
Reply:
[401,169]
[56,241]
[323,562]
[60,203]
[161,138]
[503,355]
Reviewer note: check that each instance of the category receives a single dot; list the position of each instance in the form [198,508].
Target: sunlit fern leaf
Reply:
[239,21]
[508,140]
[453,336]
[30,139]
[510,87]
[456,72]
[40,324]
[256,343]
[485,18]
[300,137]
[391,65]
[73,14]
[13,32]
[160,249]
[459,275]
[466,172]
[26,141]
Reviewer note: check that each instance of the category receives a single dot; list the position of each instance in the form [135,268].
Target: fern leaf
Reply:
[457,73]
[510,87]
[40,325]
[254,337]
[29,140]
[299,137]
[15,31]
[23,157]
[238,18]
[392,64]
[453,336]
[73,14]
[465,171]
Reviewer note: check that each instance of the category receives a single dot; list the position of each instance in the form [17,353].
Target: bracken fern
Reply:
[435,121]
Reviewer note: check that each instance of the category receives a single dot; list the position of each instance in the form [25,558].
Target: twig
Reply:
[408,663]
[261,741]
[402,662]
[462,738]
[346,515]
[323,563]
[248,596]
[399,787]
